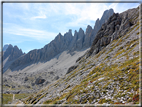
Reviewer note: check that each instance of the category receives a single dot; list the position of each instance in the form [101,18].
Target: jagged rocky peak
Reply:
[78,42]
[5,47]
[68,35]
[103,19]
[8,51]
[88,32]
[116,26]
[75,35]
[79,36]
[88,36]
[10,46]
[70,31]
[97,23]
[59,36]
[81,30]
[16,53]
[16,48]
[75,32]
[12,52]
[81,33]
[107,14]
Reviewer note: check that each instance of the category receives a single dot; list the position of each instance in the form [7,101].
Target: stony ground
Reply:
[35,76]
[109,77]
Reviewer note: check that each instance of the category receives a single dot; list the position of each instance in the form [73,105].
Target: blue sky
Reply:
[33,25]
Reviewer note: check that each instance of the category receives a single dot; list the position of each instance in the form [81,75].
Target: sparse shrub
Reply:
[136,98]
[121,48]
[47,102]
[129,100]
[117,103]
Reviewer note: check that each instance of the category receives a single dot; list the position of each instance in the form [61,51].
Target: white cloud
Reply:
[39,35]
[81,14]
[39,17]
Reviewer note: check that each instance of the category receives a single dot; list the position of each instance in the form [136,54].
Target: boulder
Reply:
[72,68]
[39,81]
[56,77]
[26,79]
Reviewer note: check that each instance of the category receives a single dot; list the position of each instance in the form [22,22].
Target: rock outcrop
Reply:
[99,23]
[39,81]
[87,39]
[12,53]
[116,26]
[5,47]
[72,68]
[77,43]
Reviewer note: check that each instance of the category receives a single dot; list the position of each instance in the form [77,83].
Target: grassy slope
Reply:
[122,78]
[7,98]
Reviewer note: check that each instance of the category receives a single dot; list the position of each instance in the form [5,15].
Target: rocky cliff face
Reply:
[5,47]
[99,23]
[81,40]
[12,52]
[116,26]
[10,55]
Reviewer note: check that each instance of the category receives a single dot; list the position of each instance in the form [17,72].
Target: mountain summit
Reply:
[10,55]
[5,47]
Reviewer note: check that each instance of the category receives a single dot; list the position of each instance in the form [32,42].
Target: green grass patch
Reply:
[21,96]
[7,98]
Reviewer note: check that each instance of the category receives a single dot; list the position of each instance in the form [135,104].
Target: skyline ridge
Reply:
[24,23]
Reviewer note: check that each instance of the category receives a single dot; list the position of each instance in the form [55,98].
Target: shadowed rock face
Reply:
[12,53]
[81,40]
[39,81]
[116,26]
[5,47]
[87,39]
[99,23]
[77,43]
[8,52]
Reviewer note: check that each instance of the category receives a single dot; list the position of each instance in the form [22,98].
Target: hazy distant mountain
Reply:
[12,52]
[10,55]
[5,47]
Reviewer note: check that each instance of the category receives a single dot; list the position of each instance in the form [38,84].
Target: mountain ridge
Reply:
[78,42]
[31,68]
[10,55]
[5,47]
